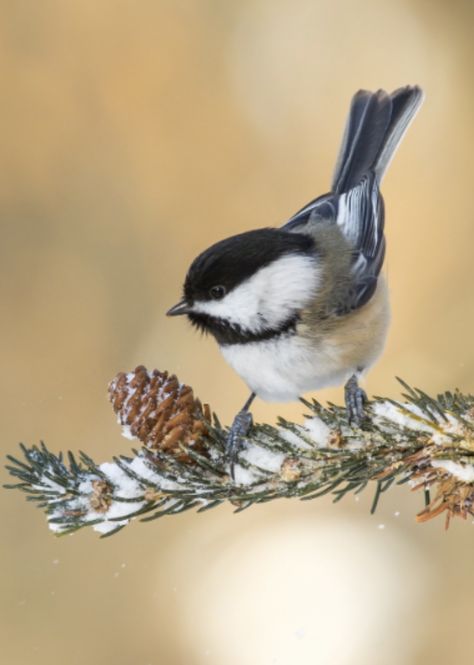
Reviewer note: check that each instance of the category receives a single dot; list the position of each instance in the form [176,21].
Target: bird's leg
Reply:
[355,398]
[243,421]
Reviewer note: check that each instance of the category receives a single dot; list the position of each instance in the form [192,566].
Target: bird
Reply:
[305,306]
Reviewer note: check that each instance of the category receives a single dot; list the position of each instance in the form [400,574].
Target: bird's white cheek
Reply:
[270,296]
[239,306]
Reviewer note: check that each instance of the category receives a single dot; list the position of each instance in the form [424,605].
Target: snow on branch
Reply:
[425,442]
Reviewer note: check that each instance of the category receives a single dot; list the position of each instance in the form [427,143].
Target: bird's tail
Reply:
[376,124]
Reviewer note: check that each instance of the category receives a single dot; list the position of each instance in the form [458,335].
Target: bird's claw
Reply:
[355,398]
[243,421]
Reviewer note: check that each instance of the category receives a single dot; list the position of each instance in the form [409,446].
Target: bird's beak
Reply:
[181,308]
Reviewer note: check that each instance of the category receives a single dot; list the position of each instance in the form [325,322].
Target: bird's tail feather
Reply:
[376,124]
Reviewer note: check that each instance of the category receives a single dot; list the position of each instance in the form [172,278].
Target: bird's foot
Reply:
[243,421]
[355,398]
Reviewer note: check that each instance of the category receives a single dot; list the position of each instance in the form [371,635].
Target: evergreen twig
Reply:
[424,441]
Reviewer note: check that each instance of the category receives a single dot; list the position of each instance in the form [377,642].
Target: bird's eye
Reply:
[217,292]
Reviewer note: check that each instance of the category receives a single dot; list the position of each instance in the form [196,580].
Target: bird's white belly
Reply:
[282,369]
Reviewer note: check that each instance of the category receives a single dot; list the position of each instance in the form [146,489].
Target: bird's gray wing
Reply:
[359,215]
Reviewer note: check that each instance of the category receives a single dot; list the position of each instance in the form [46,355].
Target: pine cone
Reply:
[159,411]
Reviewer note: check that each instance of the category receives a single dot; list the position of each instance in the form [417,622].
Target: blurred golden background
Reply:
[135,134]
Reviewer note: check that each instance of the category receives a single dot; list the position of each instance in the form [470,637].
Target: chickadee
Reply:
[304,306]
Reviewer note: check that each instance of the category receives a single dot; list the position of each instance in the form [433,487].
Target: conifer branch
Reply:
[425,442]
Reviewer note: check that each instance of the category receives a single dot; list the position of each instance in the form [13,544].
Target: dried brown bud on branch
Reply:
[156,409]
[101,498]
[290,470]
[453,495]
